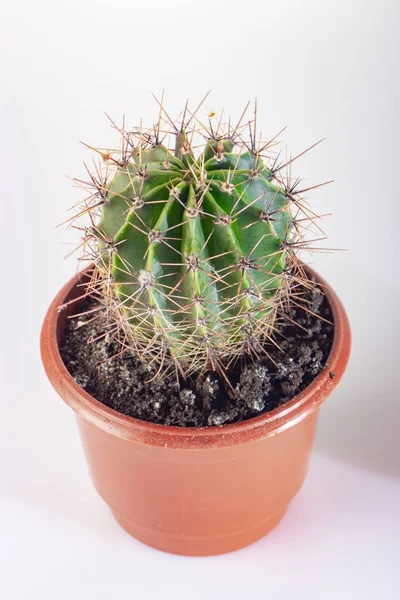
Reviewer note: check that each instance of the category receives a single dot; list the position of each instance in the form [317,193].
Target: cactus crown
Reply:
[194,243]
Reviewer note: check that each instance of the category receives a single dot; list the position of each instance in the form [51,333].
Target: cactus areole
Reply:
[192,243]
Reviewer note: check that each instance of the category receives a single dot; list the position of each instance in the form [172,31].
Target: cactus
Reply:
[193,248]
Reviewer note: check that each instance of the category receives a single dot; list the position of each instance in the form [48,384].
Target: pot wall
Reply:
[204,501]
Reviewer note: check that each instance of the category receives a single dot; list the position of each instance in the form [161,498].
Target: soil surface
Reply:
[258,386]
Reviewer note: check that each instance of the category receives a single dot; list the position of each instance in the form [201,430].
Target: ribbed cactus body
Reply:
[194,249]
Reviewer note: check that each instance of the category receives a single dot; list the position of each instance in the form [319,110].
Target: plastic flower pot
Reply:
[195,491]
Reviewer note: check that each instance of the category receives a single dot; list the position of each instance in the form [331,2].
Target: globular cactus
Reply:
[193,247]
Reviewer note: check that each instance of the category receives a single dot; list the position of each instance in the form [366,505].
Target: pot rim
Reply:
[130,428]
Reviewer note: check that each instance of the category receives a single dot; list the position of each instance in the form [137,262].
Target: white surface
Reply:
[325,69]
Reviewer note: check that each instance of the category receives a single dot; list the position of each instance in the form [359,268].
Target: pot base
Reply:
[196,545]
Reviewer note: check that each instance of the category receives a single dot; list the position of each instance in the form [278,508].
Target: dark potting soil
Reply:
[260,385]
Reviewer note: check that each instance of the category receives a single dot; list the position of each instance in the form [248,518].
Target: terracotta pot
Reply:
[196,491]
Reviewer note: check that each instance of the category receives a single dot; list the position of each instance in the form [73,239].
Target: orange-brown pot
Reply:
[196,491]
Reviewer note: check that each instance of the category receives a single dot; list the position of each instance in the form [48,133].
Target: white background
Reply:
[325,69]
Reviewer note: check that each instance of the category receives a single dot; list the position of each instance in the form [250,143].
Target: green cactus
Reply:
[191,249]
